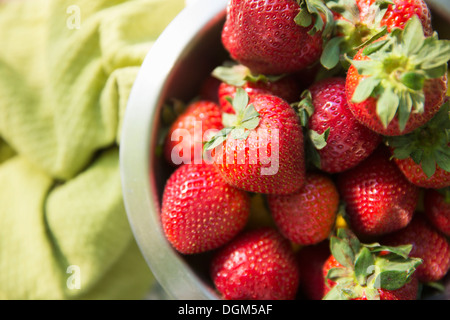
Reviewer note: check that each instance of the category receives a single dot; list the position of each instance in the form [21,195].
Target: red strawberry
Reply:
[428,244]
[398,83]
[275,36]
[311,260]
[398,13]
[348,142]
[307,217]
[423,154]
[261,148]
[358,22]
[437,209]
[356,271]
[201,212]
[377,196]
[286,87]
[415,174]
[257,265]
[184,141]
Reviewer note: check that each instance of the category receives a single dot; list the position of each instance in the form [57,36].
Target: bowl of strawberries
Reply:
[294,149]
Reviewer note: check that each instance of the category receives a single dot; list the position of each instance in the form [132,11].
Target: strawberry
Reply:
[414,172]
[261,147]
[286,86]
[359,22]
[423,155]
[201,212]
[428,244]
[307,217]
[437,209]
[338,140]
[184,140]
[398,83]
[378,198]
[358,271]
[311,260]
[276,36]
[397,13]
[257,265]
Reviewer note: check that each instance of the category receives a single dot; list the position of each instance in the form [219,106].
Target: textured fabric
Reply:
[66,70]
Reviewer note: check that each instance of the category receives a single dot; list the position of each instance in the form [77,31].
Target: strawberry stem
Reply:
[238,125]
[397,70]
[238,75]
[350,34]
[311,12]
[366,268]
[427,145]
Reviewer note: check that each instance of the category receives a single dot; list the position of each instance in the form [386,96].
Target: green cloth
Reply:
[66,70]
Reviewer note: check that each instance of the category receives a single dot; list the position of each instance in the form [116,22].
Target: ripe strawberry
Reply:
[311,260]
[397,13]
[423,154]
[356,271]
[201,212]
[377,196]
[261,147]
[276,36]
[339,141]
[257,265]
[358,22]
[186,135]
[415,174]
[398,83]
[437,209]
[286,87]
[307,217]
[428,244]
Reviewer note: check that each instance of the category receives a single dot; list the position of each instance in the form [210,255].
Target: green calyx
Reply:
[311,12]
[350,34]
[428,145]
[238,125]
[315,141]
[397,69]
[367,268]
[304,107]
[238,75]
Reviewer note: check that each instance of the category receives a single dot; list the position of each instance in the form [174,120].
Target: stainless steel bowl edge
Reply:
[158,80]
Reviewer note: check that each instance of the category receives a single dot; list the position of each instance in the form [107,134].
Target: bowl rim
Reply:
[140,194]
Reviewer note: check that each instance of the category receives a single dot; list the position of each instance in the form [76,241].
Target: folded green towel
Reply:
[66,70]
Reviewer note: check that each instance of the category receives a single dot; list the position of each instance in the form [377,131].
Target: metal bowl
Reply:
[181,58]
[187,50]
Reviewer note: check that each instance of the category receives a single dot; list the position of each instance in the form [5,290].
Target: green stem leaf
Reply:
[364,260]
[331,54]
[365,89]
[387,105]
[319,140]
[342,252]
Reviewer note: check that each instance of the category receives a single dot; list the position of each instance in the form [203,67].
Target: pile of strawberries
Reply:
[315,163]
